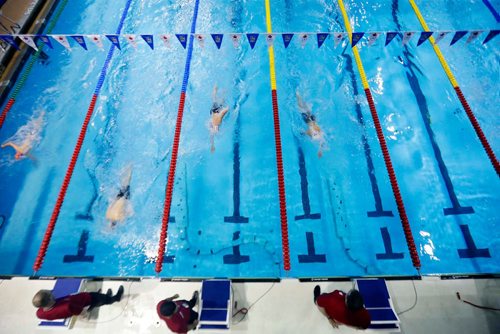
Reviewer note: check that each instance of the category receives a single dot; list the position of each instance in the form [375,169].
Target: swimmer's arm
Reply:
[301,103]
[172,298]
[224,111]
[214,93]
[11,144]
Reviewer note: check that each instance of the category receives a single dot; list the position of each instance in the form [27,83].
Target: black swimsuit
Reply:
[216,108]
[308,117]
[124,193]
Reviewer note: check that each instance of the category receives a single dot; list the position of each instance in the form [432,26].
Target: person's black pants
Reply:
[193,314]
[99,299]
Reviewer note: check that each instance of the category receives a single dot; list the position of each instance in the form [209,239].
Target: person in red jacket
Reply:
[179,315]
[339,307]
[50,308]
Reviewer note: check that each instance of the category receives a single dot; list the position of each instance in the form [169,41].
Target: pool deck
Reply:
[287,307]
[19,16]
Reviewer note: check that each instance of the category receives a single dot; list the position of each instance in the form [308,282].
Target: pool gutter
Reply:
[31,16]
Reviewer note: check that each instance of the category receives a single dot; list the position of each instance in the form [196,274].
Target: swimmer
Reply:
[119,209]
[313,129]
[217,113]
[26,137]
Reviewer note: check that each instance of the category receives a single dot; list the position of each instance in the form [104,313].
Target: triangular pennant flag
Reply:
[287,38]
[201,40]
[372,38]
[458,36]
[389,37]
[321,38]
[131,39]
[62,40]
[252,39]
[9,39]
[97,40]
[182,38]
[80,40]
[46,40]
[440,36]
[339,36]
[424,36]
[492,34]
[356,37]
[236,39]
[149,40]
[166,39]
[217,39]
[28,39]
[407,36]
[114,39]
[303,39]
[270,39]
[473,35]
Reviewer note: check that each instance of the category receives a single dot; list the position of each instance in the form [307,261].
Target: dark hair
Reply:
[167,308]
[354,300]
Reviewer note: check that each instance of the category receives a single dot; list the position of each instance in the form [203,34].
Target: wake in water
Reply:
[27,136]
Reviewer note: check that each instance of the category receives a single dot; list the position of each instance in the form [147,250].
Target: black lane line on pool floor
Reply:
[456,208]
[389,254]
[471,251]
[379,209]
[311,256]
[236,217]
[306,205]
[81,251]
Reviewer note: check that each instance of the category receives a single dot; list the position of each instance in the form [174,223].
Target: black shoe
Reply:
[109,293]
[119,294]
[317,292]
[195,297]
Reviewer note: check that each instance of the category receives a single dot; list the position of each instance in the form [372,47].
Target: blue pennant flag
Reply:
[389,37]
[182,38]
[492,34]
[217,39]
[287,38]
[356,37]
[114,39]
[321,39]
[458,36]
[9,39]
[149,40]
[252,39]
[424,36]
[80,40]
[46,40]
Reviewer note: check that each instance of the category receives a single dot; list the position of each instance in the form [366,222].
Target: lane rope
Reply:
[69,172]
[279,155]
[24,76]
[175,147]
[460,95]
[383,145]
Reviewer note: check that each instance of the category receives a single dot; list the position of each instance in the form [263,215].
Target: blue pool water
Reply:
[342,216]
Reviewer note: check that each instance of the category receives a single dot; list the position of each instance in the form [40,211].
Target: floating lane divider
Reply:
[175,147]
[27,70]
[279,156]
[461,97]
[69,172]
[383,145]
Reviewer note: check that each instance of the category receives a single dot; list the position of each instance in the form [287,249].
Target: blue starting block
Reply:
[215,304]
[62,288]
[378,303]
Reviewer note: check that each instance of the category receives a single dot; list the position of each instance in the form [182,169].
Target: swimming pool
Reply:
[225,212]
